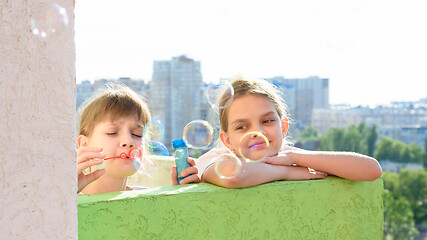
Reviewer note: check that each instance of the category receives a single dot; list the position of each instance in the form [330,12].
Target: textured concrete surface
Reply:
[37,126]
[332,208]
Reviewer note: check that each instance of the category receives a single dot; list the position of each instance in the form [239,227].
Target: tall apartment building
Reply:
[176,95]
[303,95]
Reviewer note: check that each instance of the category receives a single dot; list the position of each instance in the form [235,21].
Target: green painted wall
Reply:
[332,208]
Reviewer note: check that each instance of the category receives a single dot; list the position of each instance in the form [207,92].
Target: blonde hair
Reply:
[115,102]
[242,87]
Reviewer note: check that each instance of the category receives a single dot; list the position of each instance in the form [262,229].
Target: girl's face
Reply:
[116,137]
[254,113]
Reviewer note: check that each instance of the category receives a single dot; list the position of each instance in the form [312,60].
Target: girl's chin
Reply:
[260,155]
[273,154]
[126,167]
[273,151]
[128,172]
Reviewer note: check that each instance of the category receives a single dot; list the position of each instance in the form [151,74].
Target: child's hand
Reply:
[281,159]
[87,157]
[191,172]
[303,173]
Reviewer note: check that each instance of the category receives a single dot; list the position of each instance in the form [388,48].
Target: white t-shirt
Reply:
[208,159]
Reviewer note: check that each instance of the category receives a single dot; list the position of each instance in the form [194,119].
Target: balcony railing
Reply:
[332,208]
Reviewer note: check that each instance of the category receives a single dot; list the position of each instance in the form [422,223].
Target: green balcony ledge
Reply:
[331,208]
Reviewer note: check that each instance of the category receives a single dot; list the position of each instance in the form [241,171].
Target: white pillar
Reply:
[37,126]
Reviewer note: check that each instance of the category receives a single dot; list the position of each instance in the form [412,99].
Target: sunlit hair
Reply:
[114,102]
[244,86]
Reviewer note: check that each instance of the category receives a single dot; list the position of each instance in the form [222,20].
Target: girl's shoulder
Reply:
[211,154]
[216,151]
[208,159]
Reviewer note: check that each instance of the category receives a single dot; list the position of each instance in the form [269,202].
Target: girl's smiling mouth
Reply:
[258,145]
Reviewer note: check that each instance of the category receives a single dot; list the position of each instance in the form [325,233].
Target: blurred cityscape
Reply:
[176,94]
[395,134]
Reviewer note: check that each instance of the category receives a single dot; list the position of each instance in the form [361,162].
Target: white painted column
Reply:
[37,126]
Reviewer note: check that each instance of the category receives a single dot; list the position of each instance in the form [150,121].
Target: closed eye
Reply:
[111,133]
[241,127]
[137,135]
[269,121]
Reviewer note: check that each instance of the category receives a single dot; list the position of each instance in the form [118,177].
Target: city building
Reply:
[83,91]
[176,95]
[403,122]
[302,96]
[335,117]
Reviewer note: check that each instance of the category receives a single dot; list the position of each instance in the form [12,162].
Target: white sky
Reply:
[373,52]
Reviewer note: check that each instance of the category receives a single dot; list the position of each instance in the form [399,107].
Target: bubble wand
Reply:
[134,153]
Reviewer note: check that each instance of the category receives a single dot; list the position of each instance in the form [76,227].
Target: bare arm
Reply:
[255,173]
[352,166]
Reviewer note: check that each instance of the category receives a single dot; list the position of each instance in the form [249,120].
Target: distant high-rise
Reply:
[175,95]
[302,95]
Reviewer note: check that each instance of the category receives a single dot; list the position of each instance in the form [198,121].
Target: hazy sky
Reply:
[373,52]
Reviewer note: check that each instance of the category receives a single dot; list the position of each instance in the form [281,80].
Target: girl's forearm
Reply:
[352,166]
[251,174]
[255,173]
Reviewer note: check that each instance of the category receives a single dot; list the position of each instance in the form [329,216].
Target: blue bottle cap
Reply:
[178,143]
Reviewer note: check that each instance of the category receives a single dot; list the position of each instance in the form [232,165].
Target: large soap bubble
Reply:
[215,91]
[253,146]
[48,20]
[198,134]
[227,165]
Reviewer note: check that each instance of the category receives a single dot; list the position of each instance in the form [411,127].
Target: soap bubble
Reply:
[214,91]
[253,146]
[137,165]
[49,20]
[156,148]
[227,165]
[135,154]
[198,134]
[152,161]
[154,130]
